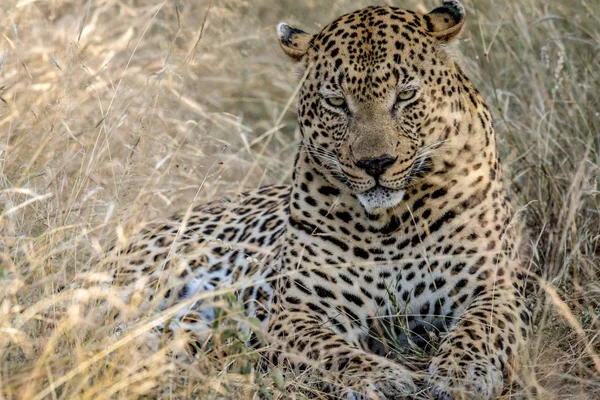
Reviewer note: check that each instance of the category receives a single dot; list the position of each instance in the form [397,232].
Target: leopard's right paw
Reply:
[390,382]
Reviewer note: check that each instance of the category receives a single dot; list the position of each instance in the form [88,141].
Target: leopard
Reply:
[397,223]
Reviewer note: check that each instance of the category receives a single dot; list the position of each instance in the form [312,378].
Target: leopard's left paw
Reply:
[450,378]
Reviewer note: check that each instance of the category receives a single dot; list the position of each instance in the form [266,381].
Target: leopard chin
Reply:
[379,199]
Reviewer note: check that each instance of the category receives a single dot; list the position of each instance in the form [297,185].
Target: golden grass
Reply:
[113,112]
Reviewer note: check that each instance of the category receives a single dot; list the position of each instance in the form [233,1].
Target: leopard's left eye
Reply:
[405,96]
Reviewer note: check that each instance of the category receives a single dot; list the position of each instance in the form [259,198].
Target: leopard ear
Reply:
[445,22]
[294,42]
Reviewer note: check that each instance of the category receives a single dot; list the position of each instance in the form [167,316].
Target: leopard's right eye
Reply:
[337,102]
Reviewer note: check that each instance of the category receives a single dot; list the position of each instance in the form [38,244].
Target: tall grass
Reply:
[115,112]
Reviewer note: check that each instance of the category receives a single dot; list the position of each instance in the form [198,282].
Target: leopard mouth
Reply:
[380,197]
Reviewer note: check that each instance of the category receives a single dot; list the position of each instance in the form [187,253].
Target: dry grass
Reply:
[112,112]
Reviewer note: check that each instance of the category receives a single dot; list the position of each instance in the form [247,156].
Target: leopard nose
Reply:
[375,166]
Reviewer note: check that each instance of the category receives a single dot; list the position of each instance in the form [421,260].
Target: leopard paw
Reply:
[451,379]
[388,383]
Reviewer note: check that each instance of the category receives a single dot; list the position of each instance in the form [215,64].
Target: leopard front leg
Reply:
[482,349]
[302,340]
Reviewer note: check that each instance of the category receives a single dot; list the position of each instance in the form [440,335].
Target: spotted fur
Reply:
[397,211]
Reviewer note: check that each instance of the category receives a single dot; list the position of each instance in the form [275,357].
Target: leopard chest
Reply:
[413,282]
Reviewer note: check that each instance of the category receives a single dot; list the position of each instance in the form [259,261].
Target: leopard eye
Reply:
[405,96]
[337,102]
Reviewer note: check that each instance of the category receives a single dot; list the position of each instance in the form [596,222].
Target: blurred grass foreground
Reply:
[113,112]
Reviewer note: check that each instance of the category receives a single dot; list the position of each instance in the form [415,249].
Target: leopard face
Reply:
[375,83]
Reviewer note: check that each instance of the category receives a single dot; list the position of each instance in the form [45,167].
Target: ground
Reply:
[113,113]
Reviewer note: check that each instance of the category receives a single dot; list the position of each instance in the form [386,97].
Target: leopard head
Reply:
[378,94]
